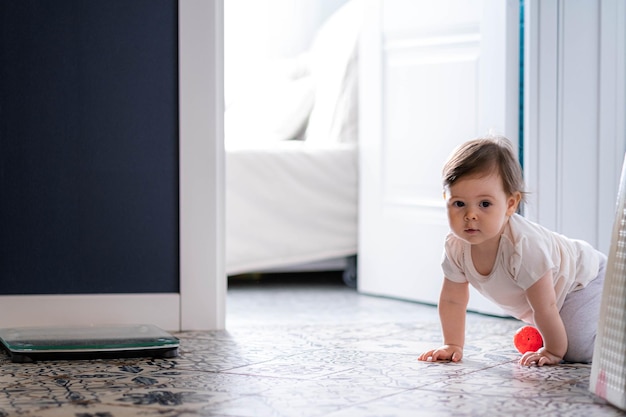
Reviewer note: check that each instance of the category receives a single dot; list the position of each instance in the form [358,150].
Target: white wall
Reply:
[257,32]
[574,114]
[574,125]
[274,28]
[200,305]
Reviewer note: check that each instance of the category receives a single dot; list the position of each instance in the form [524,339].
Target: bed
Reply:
[291,159]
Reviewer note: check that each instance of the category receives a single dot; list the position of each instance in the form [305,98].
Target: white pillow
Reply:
[272,110]
[333,60]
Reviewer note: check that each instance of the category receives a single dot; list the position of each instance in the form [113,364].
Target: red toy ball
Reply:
[527,339]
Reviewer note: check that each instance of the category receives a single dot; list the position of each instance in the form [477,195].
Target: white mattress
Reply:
[289,203]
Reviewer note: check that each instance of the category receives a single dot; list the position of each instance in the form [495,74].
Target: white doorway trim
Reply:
[202,178]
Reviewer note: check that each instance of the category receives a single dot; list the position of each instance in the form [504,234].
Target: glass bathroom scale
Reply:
[29,344]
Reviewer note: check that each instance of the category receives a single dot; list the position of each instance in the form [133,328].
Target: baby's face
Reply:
[478,208]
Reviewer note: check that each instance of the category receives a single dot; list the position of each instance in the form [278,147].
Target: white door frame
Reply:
[202,173]
[200,303]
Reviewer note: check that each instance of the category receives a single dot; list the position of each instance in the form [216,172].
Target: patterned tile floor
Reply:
[308,348]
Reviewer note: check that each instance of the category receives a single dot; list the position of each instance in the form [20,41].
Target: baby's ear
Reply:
[513,202]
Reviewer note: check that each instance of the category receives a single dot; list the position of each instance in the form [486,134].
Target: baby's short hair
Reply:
[486,155]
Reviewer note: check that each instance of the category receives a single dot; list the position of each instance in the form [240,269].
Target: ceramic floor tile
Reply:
[308,351]
[312,304]
[292,369]
[309,398]
[403,372]
[439,403]
[503,390]
[516,382]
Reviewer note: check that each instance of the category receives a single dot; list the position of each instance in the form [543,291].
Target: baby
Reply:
[538,276]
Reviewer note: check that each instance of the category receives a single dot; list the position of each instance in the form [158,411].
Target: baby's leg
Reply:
[580,314]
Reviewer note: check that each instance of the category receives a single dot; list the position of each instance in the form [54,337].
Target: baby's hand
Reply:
[444,353]
[539,358]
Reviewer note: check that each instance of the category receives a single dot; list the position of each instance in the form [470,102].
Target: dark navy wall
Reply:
[88,146]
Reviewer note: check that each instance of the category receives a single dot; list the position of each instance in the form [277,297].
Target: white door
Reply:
[433,74]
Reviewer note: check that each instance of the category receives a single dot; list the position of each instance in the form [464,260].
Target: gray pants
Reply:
[580,314]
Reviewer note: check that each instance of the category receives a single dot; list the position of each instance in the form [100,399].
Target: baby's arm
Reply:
[452,306]
[542,299]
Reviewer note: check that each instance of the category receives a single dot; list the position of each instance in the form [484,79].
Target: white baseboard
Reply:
[162,310]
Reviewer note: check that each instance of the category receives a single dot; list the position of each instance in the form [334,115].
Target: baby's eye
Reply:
[484,204]
[458,204]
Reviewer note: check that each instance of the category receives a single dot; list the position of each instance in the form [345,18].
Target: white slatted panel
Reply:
[608,371]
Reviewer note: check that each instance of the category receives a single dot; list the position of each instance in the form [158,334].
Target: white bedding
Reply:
[289,202]
[293,202]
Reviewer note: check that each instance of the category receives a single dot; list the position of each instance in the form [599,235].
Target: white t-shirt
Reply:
[527,251]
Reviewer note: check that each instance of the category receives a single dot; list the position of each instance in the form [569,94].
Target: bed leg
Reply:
[350,273]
